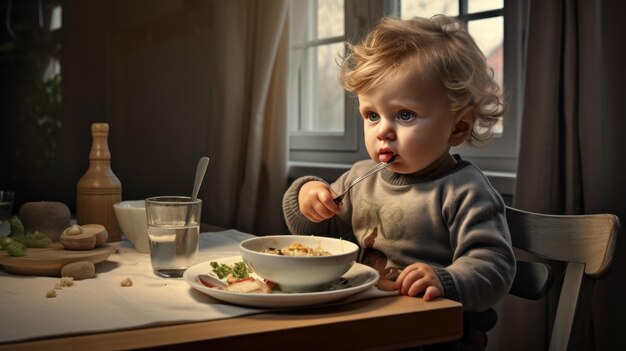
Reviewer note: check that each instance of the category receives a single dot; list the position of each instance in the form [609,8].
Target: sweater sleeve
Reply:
[296,222]
[483,263]
[449,289]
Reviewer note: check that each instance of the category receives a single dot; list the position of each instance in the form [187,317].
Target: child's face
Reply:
[406,118]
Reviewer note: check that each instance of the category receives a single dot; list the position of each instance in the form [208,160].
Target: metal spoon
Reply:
[200,170]
[379,167]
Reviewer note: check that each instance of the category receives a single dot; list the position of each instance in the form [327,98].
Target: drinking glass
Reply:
[6,205]
[173,230]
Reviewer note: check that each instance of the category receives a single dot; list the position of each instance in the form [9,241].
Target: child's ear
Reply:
[463,127]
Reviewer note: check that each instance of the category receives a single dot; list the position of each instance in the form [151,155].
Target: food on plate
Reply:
[305,262]
[83,237]
[245,285]
[17,228]
[16,249]
[78,241]
[48,217]
[248,285]
[33,239]
[238,270]
[100,232]
[297,249]
[4,242]
[18,241]
[237,276]
[126,282]
[79,270]
[385,284]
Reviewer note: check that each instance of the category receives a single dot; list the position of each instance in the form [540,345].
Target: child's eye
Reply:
[372,116]
[406,116]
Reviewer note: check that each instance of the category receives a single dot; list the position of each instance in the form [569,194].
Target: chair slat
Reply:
[588,239]
[566,309]
[585,243]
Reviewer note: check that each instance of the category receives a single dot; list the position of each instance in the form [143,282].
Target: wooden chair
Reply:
[584,243]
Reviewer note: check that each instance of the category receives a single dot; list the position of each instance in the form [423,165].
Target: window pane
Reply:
[483,5]
[489,35]
[428,8]
[329,18]
[326,109]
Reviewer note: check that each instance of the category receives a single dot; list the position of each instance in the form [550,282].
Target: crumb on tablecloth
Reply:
[64,282]
[126,282]
[51,293]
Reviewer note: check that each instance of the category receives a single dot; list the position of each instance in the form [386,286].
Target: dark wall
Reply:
[30,113]
[141,66]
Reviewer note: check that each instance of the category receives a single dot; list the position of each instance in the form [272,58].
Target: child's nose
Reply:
[386,130]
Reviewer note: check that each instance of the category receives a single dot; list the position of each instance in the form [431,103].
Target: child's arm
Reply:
[315,200]
[419,278]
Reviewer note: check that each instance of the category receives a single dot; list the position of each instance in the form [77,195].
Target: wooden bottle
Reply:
[98,189]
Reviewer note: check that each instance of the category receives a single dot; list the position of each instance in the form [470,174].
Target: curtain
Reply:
[247,140]
[570,153]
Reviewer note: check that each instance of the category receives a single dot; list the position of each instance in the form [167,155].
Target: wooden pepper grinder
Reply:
[98,189]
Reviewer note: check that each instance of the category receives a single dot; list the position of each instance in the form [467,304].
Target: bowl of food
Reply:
[299,263]
[131,215]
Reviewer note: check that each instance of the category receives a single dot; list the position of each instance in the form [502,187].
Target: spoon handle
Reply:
[200,170]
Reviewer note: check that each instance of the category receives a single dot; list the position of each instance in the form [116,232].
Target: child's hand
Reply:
[419,278]
[316,201]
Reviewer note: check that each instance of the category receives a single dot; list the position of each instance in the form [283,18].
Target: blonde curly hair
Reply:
[441,49]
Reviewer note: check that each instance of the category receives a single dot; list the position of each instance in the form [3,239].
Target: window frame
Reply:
[502,153]
[323,150]
[324,140]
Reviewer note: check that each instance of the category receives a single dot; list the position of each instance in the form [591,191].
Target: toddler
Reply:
[431,222]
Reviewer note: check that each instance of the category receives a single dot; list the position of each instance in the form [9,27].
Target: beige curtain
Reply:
[247,140]
[571,153]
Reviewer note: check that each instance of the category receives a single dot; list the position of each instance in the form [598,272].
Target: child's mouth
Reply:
[386,157]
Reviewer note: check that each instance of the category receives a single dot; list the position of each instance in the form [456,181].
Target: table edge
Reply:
[442,315]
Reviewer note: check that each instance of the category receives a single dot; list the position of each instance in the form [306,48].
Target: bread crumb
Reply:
[64,282]
[126,282]
[51,293]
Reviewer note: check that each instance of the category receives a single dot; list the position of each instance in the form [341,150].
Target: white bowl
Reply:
[131,215]
[299,273]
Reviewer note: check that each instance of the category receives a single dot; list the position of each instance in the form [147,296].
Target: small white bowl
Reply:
[131,215]
[299,273]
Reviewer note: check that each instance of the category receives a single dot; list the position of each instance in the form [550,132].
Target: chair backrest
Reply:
[584,243]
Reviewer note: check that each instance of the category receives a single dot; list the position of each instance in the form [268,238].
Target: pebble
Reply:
[79,270]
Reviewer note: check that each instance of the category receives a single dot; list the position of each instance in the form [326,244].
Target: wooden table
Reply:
[381,323]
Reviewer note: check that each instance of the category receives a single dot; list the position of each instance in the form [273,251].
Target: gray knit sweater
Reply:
[456,223]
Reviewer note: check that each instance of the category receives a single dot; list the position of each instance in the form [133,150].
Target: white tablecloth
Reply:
[102,304]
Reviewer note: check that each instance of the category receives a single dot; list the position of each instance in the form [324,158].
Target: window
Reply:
[318,118]
[324,125]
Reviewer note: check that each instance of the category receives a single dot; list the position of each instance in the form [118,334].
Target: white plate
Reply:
[357,279]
